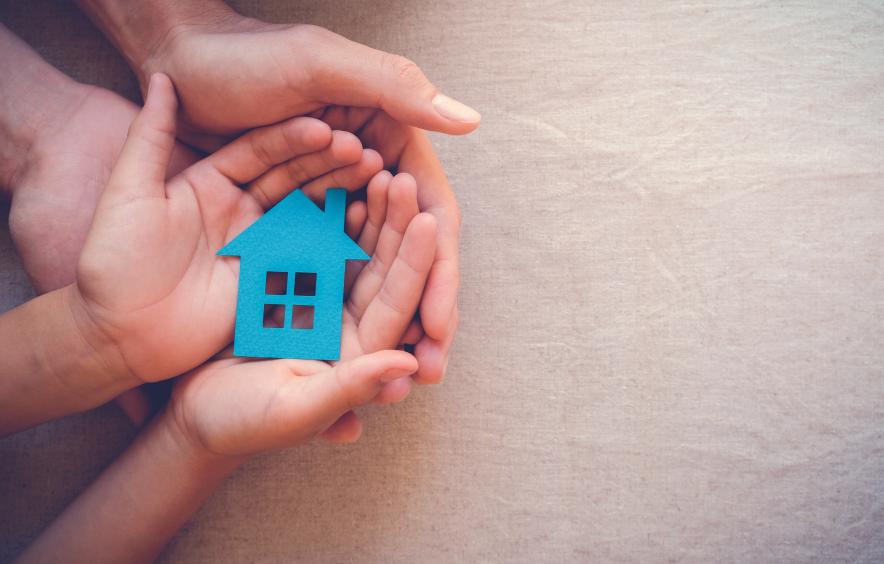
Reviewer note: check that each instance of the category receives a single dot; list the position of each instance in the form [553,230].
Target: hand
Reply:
[73,134]
[408,149]
[233,407]
[288,70]
[148,280]
[234,73]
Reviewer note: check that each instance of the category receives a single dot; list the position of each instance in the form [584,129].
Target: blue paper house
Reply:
[294,241]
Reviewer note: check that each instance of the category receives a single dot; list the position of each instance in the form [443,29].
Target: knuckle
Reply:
[260,150]
[309,34]
[296,172]
[345,385]
[405,69]
[260,193]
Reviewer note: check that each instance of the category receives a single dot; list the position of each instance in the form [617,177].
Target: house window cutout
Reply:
[302,317]
[276,283]
[272,316]
[305,283]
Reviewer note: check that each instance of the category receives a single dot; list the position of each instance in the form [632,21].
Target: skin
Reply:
[230,409]
[235,73]
[125,321]
[60,140]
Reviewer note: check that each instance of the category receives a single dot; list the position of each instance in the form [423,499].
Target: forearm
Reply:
[52,364]
[31,92]
[132,510]
[139,28]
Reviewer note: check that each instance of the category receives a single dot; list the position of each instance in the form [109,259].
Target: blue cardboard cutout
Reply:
[295,238]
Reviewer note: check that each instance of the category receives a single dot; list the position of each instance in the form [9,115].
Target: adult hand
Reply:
[234,73]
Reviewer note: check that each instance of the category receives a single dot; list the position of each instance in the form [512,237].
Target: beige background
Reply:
[673,290]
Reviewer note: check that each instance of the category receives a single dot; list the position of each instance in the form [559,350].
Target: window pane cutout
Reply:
[269,321]
[305,284]
[276,283]
[302,317]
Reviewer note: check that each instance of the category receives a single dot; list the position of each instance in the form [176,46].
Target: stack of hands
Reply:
[118,221]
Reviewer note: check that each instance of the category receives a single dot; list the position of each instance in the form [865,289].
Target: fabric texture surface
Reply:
[671,346]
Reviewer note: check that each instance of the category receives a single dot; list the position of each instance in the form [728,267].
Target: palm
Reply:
[179,314]
[236,406]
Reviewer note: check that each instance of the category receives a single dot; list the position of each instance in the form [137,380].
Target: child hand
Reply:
[151,294]
[233,407]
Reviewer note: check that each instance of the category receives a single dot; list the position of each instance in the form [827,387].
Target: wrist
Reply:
[144,31]
[52,363]
[98,350]
[173,430]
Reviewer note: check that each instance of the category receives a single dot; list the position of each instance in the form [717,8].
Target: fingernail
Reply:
[444,370]
[450,108]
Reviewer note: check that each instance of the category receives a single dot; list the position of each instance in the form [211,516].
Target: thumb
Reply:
[144,158]
[352,74]
[326,396]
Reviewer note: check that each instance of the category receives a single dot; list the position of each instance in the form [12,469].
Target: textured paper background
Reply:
[671,340]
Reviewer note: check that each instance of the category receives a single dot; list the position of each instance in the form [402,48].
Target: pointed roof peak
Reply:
[296,225]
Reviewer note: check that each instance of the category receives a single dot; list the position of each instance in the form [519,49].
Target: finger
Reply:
[368,236]
[351,177]
[376,199]
[432,354]
[354,220]
[141,167]
[347,429]
[320,399]
[401,209]
[388,315]
[436,197]
[394,392]
[348,73]
[354,223]
[344,149]
[259,150]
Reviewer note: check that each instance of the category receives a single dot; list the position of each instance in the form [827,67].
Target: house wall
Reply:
[322,342]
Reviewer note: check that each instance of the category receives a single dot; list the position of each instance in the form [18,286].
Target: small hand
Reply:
[233,407]
[148,278]
[408,149]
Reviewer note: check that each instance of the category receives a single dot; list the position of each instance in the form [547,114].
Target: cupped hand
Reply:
[234,73]
[148,279]
[234,407]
